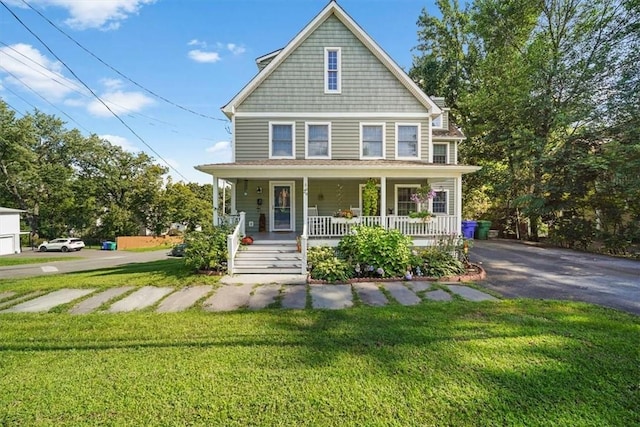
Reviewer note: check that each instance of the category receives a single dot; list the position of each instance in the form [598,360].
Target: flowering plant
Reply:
[344,213]
[423,194]
[425,215]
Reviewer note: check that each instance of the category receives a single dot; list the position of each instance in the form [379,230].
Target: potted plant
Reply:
[420,216]
[246,240]
[344,216]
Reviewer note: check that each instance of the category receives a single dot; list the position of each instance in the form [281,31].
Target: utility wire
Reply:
[92,92]
[117,71]
[44,99]
[75,89]
[12,107]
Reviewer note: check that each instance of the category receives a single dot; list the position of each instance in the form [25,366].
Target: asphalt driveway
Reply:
[519,270]
[91,259]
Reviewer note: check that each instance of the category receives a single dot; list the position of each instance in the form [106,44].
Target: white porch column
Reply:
[305,200]
[216,202]
[458,219]
[383,202]
[233,211]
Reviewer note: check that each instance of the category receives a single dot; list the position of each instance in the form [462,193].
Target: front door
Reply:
[282,206]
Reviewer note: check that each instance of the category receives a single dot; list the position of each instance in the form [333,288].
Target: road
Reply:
[519,270]
[91,259]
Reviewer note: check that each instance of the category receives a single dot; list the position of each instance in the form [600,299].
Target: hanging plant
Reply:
[370,198]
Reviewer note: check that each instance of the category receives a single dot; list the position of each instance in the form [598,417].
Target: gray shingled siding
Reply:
[323,194]
[298,83]
[445,119]
[252,137]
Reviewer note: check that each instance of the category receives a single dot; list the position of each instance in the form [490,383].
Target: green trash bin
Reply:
[112,246]
[482,232]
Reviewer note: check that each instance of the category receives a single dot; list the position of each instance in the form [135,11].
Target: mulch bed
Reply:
[474,273]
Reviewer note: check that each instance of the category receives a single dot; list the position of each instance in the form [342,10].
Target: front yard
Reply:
[518,362]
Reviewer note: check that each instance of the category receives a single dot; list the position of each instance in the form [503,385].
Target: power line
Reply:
[43,98]
[117,71]
[92,92]
[12,107]
[75,89]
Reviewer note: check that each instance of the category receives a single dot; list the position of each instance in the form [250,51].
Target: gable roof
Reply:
[331,9]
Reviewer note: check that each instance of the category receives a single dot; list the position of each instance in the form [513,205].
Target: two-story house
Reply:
[325,114]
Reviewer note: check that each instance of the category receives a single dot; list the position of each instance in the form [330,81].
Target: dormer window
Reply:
[436,122]
[332,73]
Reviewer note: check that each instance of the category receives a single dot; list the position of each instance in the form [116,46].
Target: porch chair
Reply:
[356,211]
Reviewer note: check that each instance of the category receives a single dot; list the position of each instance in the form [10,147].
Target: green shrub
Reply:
[206,251]
[386,252]
[332,270]
[438,263]
[317,254]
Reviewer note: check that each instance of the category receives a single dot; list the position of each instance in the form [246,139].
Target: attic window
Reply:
[332,65]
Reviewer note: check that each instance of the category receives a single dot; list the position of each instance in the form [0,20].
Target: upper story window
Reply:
[318,140]
[372,141]
[408,141]
[332,70]
[440,153]
[436,122]
[281,140]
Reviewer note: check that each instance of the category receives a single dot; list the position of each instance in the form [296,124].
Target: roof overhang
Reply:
[337,169]
[331,9]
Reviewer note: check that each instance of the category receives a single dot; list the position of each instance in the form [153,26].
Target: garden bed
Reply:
[474,273]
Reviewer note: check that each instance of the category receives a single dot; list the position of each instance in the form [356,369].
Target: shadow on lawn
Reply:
[173,268]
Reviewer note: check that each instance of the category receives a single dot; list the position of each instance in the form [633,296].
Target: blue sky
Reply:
[195,53]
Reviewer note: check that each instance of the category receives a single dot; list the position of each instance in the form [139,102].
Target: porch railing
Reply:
[304,240]
[233,242]
[327,226]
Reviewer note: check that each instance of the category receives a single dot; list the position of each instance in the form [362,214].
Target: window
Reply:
[407,140]
[404,204]
[332,64]
[436,122]
[439,202]
[318,140]
[372,141]
[282,140]
[440,153]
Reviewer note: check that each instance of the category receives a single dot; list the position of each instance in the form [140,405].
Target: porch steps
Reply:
[268,257]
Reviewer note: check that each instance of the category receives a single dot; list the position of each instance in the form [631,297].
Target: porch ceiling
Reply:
[334,169]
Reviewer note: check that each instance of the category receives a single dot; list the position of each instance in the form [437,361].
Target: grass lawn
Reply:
[170,272]
[150,249]
[518,362]
[6,261]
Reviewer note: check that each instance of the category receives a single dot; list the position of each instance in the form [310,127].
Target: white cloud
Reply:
[203,56]
[101,14]
[196,42]
[221,151]
[235,49]
[121,141]
[112,84]
[25,65]
[120,102]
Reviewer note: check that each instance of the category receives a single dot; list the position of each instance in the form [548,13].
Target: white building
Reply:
[9,231]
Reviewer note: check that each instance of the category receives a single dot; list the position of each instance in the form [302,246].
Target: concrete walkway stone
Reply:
[419,286]
[370,294]
[261,279]
[7,294]
[332,297]
[438,295]
[48,301]
[142,298]
[183,299]
[471,294]
[24,297]
[93,303]
[228,297]
[263,296]
[401,293]
[294,296]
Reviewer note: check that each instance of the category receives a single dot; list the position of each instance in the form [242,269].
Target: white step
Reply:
[262,255]
[251,270]
[267,263]
[271,257]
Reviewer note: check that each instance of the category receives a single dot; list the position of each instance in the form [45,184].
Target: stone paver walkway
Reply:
[333,297]
[7,294]
[263,296]
[183,299]
[142,298]
[47,302]
[91,304]
[228,298]
[370,294]
[244,295]
[401,293]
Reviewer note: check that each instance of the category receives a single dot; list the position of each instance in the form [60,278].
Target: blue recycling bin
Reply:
[108,246]
[468,229]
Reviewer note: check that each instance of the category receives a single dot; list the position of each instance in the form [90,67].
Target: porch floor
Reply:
[274,236]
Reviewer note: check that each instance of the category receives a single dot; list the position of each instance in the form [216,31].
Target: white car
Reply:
[64,245]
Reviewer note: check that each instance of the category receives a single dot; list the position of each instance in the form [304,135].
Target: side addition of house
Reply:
[323,116]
